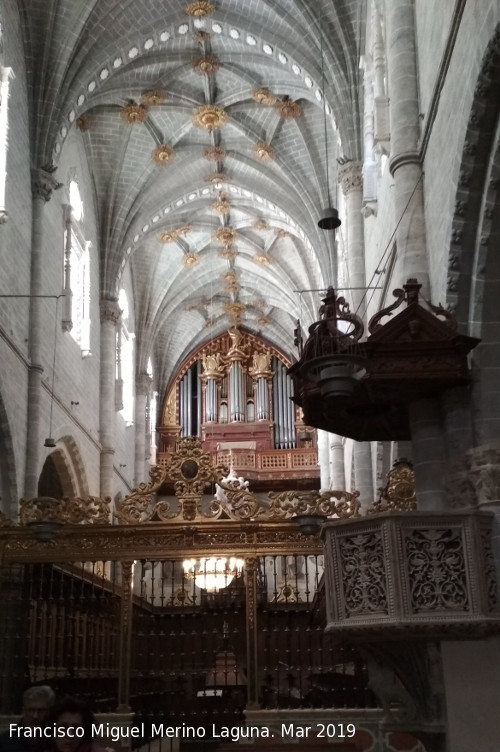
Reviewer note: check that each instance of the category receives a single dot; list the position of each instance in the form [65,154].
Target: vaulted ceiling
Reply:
[158,202]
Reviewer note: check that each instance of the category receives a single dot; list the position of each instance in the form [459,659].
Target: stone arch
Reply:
[63,471]
[475,162]
[8,480]
[74,463]
[55,480]
[474,261]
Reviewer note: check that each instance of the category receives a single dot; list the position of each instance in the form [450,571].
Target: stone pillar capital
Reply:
[110,310]
[350,177]
[43,183]
[143,384]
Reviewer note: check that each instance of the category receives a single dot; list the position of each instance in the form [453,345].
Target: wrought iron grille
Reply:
[61,624]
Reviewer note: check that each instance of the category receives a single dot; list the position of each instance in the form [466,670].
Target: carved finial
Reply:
[412,289]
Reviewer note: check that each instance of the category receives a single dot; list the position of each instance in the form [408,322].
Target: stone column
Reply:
[351,180]
[483,464]
[142,392]
[381,103]
[404,162]
[471,673]
[429,454]
[337,466]
[110,317]
[458,433]
[363,473]
[43,183]
[324,459]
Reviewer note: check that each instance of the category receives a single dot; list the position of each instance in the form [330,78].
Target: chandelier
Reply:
[213,573]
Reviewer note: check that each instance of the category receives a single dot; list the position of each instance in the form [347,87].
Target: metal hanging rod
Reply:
[324,289]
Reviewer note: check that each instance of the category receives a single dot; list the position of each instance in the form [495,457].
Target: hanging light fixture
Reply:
[329,219]
[213,573]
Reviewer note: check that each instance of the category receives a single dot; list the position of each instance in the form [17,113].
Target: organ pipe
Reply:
[291,411]
[211,401]
[281,435]
[189,385]
[199,405]
[237,392]
[242,372]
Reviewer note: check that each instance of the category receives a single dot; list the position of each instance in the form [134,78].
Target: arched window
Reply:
[76,272]
[151,417]
[125,360]
[5,75]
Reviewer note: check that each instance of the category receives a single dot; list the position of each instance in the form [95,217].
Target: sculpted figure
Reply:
[261,363]
[213,365]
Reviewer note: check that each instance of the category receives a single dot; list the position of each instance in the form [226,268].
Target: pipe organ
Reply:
[234,392]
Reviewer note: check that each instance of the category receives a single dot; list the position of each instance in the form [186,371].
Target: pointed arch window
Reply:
[125,361]
[151,417]
[76,318]
[6,74]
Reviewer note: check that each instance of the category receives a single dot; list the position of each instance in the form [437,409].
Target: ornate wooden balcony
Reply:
[266,464]
[402,573]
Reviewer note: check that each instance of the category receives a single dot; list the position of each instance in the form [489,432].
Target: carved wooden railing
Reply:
[428,573]
[265,464]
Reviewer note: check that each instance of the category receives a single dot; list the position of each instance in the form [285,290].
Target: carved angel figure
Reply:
[261,363]
[213,365]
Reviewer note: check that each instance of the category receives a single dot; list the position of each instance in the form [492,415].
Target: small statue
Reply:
[261,365]
[213,367]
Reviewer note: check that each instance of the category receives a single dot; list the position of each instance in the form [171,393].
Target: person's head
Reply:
[71,712]
[37,702]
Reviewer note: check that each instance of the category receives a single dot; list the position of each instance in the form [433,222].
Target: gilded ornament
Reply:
[206,65]
[213,366]
[184,229]
[264,151]
[221,206]
[134,113]
[199,8]
[263,96]
[263,320]
[261,365]
[280,233]
[288,109]
[260,224]
[83,123]
[65,511]
[399,494]
[168,237]
[153,97]
[234,310]
[262,258]
[225,235]
[191,259]
[217,177]
[228,253]
[230,281]
[170,412]
[201,36]
[171,235]
[215,153]
[162,154]
[210,117]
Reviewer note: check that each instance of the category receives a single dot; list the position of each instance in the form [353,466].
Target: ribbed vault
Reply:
[107,55]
